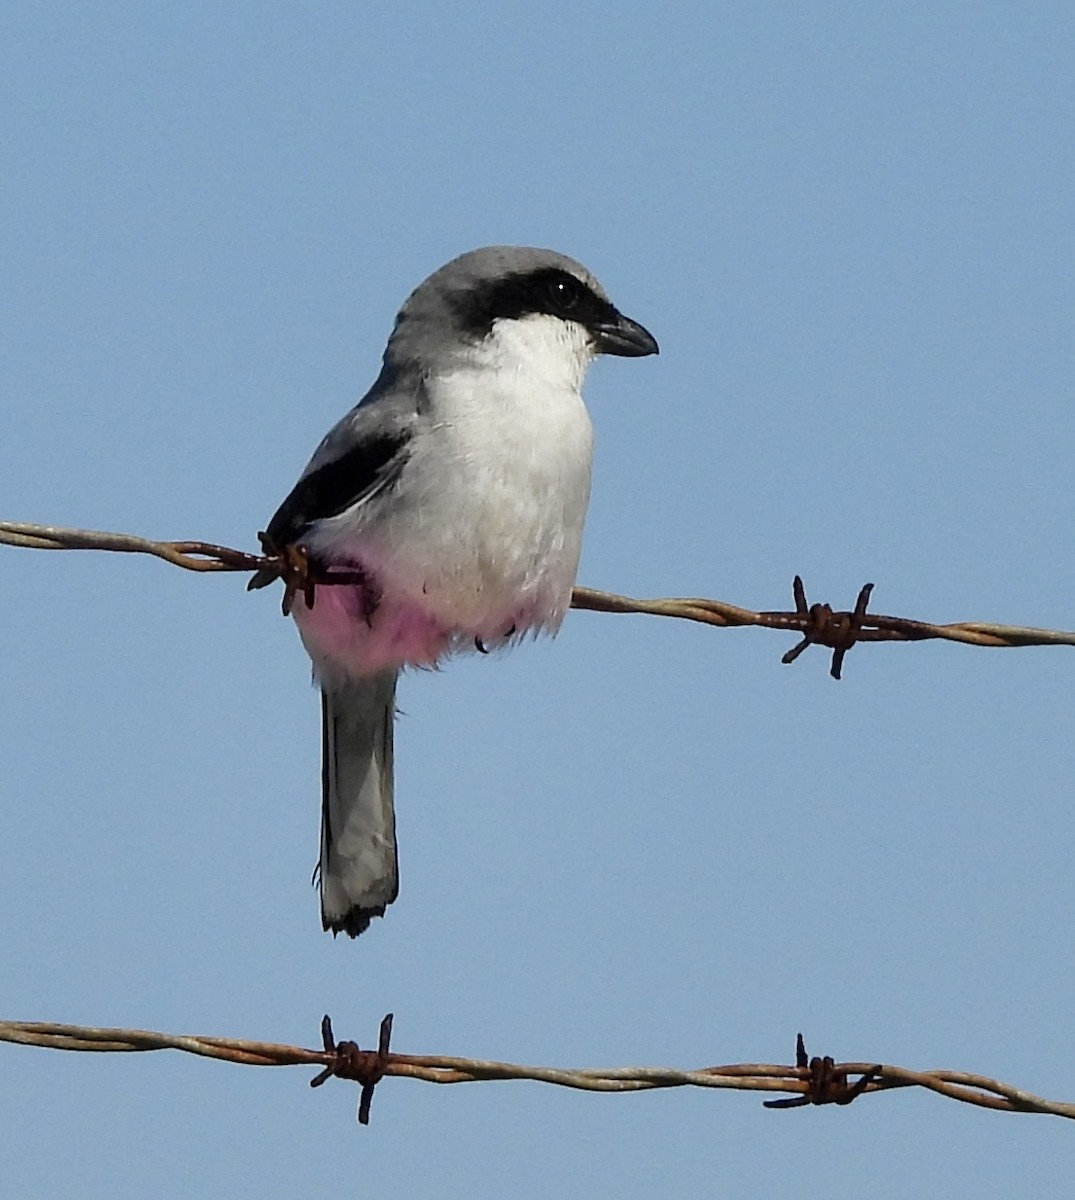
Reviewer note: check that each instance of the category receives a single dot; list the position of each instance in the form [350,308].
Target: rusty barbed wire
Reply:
[814,1081]
[811,1081]
[816,624]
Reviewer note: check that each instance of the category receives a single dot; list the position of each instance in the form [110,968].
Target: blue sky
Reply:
[850,227]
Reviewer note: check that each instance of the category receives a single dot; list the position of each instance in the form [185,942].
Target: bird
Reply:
[449,506]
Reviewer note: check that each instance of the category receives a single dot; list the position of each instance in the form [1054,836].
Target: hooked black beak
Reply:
[625,338]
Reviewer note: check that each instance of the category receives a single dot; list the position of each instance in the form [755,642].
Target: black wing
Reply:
[362,455]
[328,490]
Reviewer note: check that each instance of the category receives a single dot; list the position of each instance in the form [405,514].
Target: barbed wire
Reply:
[811,1081]
[816,624]
[817,1080]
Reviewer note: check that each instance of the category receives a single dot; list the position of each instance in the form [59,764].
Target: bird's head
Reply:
[514,303]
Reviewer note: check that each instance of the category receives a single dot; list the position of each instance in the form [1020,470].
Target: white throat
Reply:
[542,348]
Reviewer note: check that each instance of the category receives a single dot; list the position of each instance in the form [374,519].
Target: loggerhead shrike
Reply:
[453,498]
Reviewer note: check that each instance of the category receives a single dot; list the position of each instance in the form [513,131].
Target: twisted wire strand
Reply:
[816,623]
[795,1081]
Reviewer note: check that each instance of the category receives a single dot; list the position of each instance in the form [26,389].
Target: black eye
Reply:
[564,294]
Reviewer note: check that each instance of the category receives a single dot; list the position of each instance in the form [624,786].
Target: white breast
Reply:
[484,528]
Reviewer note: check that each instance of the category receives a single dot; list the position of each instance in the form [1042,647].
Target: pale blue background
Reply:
[850,225]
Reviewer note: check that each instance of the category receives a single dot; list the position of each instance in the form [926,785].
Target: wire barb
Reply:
[302,575]
[823,627]
[815,623]
[366,1067]
[826,1082]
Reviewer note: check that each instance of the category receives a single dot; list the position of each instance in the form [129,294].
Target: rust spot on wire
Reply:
[365,1067]
[826,1082]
